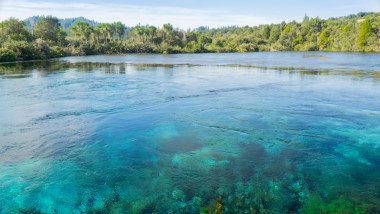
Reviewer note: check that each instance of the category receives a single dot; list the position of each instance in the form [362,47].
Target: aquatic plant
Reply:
[315,204]
[178,195]
[26,211]
[216,207]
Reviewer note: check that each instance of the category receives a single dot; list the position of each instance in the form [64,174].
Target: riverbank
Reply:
[358,33]
[307,54]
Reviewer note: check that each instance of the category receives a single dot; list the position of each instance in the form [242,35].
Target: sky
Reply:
[187,14]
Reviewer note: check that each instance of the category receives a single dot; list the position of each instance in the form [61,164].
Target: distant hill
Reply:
[65,23]
[30,22]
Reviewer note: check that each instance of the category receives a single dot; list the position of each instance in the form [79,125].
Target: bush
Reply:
[247,47]
[75,51]
[56,52]
[7,55]
[22,49]
[138,47]
[42,46]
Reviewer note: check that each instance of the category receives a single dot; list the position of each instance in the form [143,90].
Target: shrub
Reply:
[7,55]
[22,49]
[56,52]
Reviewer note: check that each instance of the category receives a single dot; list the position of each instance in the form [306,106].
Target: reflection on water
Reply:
[22,70]
[212,133]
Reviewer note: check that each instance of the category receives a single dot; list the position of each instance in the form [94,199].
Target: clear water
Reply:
[193,133]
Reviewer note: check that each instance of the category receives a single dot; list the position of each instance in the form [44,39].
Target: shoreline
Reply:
[166,54]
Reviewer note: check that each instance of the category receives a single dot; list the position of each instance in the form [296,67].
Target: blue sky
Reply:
[189,13]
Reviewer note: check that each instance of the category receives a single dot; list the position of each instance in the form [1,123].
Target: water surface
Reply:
[250,133]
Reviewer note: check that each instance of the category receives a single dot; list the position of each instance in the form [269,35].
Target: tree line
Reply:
[46,39]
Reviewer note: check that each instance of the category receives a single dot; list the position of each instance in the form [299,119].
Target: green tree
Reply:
[191,36]
[346,29]
[15,30]
[326,38]
[168,27]
[7,55]
[82,30]
[48,29]
[140,33]
[287,29]
[266,32]
[96,35]
[111,31]
[61,37]
[335,34]
[152,30]
[104,29]
[365,32]
[119,29]
[274,34]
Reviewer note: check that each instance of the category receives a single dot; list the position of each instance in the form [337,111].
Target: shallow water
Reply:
[250,133]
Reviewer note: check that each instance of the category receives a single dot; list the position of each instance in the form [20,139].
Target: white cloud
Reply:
[130,14]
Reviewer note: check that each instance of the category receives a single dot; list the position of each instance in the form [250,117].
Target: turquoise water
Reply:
[193,133]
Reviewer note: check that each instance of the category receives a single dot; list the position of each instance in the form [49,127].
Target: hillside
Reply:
[65,23]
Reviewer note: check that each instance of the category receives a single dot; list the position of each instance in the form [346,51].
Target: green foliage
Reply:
[298,41]
[351,33]
[48,29]
[36,50]
[82,30]
[365,32]
[168,27]
[106,30]
[14,30]
[22,49]
[287,29]
[215,208]
[119,29]
[325,38]
[266,33]
[203,40]
[7,55]
[274,34]
[56,52]
[315,205]
[346,29]
[42,49]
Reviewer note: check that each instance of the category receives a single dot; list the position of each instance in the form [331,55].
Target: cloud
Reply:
[130,14]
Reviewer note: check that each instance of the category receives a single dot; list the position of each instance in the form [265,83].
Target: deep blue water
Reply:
[192,133]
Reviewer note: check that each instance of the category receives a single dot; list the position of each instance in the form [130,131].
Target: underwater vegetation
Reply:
[315,204]
[259,186]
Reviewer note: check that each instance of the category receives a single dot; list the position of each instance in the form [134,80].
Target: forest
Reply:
[39,38]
